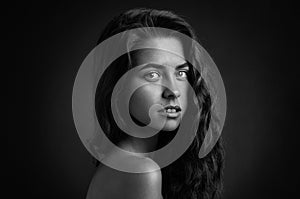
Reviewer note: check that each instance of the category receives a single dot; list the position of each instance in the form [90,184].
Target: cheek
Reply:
[183,100]
[141,101]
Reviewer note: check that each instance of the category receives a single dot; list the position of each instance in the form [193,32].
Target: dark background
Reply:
[251,43]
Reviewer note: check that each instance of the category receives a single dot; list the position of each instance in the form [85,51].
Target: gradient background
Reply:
[251,43]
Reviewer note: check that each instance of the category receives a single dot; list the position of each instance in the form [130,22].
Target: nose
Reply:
[171,91]
[168,94]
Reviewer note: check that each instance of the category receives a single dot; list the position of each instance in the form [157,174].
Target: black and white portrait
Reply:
[151,100]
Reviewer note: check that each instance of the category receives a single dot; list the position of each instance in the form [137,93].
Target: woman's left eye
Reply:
[182,74]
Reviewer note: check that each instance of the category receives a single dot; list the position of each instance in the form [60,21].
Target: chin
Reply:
[171,125]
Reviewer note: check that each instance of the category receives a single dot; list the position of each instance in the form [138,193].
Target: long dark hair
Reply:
[189,176]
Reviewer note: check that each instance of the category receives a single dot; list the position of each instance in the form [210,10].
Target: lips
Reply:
[171,111]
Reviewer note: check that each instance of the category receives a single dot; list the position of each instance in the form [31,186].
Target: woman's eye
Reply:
[152,75]
[182,74]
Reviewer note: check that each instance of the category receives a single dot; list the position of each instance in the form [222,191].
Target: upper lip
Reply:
[176,107]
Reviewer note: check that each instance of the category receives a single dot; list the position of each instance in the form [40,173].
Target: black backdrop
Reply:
[251,43]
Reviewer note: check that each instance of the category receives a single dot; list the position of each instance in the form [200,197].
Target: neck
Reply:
[140,145]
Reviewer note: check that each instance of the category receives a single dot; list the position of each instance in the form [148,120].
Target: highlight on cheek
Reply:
[149,96]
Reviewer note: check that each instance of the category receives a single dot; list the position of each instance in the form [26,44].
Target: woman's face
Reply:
[163,75]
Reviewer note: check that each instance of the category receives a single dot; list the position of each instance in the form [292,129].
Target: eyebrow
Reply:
[158,66]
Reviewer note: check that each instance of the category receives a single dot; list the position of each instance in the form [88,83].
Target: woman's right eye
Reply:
[152,76]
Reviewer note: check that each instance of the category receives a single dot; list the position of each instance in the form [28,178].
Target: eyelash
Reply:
[154,72]
[186,72]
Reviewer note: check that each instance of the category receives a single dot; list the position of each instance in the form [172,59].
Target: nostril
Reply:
[171,94]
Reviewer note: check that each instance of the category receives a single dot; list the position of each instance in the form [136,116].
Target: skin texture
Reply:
[109,183]
[163,69]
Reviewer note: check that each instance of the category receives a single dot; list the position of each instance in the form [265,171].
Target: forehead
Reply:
[163,51]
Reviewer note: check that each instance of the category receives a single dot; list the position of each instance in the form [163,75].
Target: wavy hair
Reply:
[189,176]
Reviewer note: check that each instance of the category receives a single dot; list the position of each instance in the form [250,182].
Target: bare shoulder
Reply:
[110,183]
[141,164]
[145,184]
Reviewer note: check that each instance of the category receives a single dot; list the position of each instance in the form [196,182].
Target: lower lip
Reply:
[171,115]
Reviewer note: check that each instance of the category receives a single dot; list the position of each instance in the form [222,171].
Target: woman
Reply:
[160,63]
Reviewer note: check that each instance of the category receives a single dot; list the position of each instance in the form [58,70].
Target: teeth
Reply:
[169,110]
